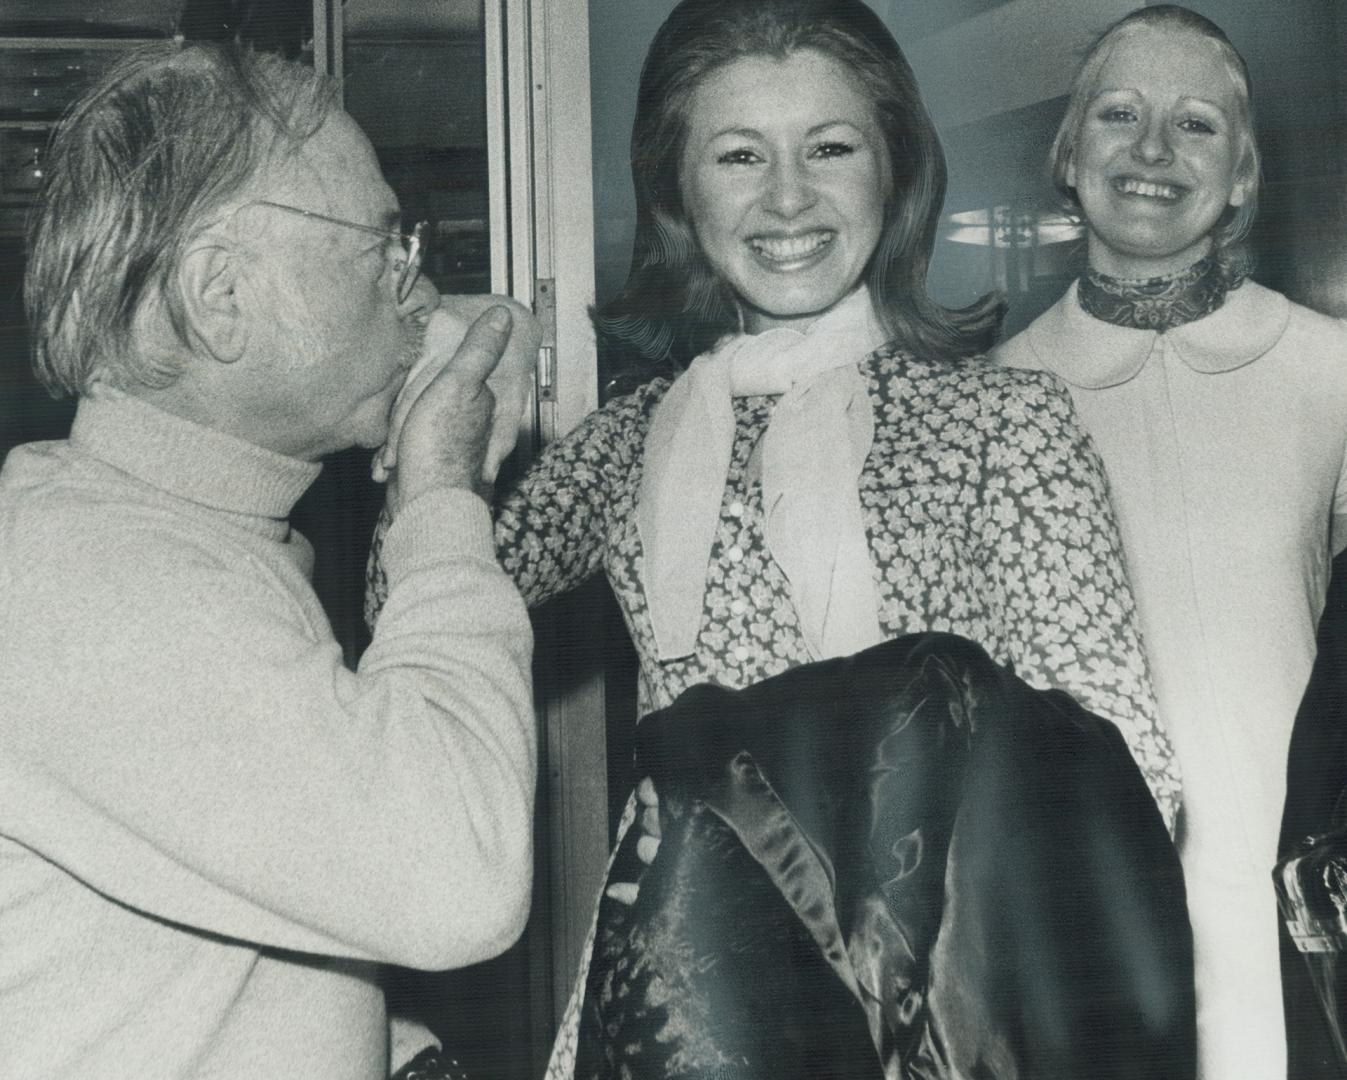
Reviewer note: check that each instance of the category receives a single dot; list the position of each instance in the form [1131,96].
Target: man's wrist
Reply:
[402,494]
[438,522]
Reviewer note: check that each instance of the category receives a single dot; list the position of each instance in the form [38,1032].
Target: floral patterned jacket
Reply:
[987,514]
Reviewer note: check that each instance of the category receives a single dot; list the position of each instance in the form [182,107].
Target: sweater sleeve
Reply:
[184,737]
[1051,546]
[552,527]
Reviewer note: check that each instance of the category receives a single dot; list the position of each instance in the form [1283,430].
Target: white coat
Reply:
[1224,441]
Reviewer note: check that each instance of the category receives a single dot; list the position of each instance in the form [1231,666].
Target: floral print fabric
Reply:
[986,511]
[987,515]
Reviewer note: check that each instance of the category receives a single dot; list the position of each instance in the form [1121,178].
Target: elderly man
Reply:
[212,833]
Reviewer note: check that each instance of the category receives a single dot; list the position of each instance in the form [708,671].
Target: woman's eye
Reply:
[1197,126]
[833,150]
[741,156]
[1118,115]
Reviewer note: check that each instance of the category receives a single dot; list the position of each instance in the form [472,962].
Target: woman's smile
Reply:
[785,252]
[1160,156]
[1149,189]
[784,176]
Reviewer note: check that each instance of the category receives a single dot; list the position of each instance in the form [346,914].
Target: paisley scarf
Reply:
[1160,303]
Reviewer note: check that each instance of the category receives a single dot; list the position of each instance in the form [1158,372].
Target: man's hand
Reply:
[444,433]
[511,381]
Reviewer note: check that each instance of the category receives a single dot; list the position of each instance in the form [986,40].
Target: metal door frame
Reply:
[541,223]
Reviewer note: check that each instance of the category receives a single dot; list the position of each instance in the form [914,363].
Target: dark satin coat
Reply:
[905,863]
[1313,844]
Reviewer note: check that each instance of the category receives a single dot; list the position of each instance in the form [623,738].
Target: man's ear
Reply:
[207,283]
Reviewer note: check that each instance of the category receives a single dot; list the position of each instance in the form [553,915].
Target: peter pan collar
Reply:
[1093,354]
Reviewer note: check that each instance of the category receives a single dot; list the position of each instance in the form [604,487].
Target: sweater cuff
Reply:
[444,523]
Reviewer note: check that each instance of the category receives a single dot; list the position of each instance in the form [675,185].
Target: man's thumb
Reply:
[483,345]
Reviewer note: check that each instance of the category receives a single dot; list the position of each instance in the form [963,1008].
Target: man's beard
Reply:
[413,339]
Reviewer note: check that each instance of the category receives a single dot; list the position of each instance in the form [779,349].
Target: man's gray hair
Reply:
[137,168]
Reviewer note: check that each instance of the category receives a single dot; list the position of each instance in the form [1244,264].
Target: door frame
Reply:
[541,229]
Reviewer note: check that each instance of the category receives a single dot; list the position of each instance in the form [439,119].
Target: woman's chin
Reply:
[1146,256]
[757,320]
[795,309]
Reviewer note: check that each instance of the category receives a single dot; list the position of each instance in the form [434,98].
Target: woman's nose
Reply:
[1152,145]
[789,189]
[423,299]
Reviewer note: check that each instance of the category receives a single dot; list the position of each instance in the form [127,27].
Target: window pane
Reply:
[415,82]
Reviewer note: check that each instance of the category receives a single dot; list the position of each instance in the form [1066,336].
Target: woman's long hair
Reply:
[673,306]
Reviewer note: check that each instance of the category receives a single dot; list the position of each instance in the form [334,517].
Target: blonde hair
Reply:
[1235,224]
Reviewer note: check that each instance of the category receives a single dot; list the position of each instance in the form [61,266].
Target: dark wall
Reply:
[27,412]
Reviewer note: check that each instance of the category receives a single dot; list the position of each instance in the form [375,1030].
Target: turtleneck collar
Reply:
[187,460]
[1093,354]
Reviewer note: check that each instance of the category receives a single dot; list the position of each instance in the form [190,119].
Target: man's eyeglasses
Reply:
[413,243]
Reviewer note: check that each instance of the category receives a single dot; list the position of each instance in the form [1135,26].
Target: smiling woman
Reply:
[1220,410]
[1162,151]
[788,213]
[833,462]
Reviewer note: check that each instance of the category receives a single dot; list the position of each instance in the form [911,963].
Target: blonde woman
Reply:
[1220,411]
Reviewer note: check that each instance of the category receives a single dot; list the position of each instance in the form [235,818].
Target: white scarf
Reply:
[812,455]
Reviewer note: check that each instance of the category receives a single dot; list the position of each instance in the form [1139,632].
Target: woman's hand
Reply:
[647,846]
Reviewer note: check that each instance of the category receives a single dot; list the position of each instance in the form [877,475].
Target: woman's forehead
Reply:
[804,86]
[1169,61]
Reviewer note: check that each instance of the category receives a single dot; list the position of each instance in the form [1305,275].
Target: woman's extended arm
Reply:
[1054,556]
[552,526]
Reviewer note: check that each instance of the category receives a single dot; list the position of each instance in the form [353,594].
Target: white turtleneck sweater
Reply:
[211,831]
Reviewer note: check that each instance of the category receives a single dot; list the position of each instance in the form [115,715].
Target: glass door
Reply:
[415,79]
[478,111]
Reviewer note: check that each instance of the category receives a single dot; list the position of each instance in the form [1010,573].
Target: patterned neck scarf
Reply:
[1159,303]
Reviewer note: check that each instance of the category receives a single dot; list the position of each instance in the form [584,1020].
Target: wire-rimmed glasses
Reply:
[413,243]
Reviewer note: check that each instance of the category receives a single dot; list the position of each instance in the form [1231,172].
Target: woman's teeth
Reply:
[1147,188]
[787,248]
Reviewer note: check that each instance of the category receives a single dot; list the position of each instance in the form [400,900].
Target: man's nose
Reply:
[423,299]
